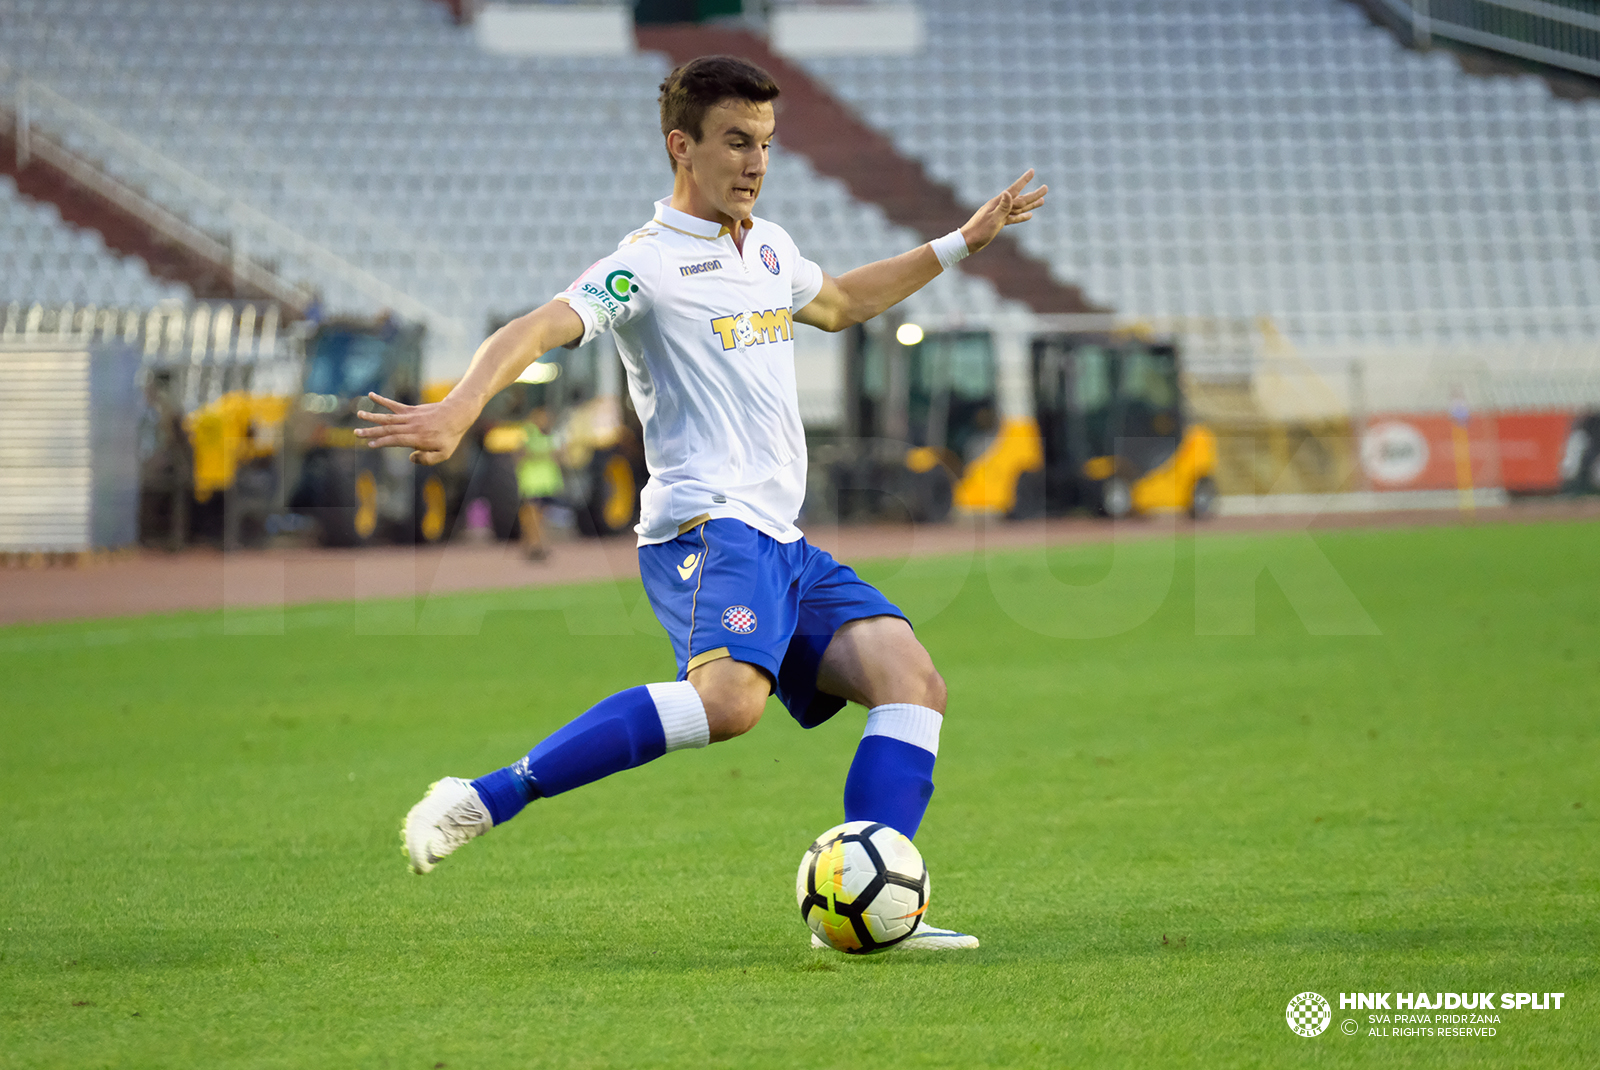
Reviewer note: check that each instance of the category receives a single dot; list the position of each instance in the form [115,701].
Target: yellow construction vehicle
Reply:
[1105,430]
[254,455]
[1112,430]
[264,462]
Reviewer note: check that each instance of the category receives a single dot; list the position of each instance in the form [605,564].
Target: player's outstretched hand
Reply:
[432,431]
[1010,205]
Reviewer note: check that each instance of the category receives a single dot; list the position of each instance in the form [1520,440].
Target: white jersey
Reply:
[706,334]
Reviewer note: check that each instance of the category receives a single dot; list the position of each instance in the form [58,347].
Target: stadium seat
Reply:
[1211,158]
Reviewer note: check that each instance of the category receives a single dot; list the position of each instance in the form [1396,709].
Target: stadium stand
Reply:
[1239,158]
[415,164]
[1211,159]
[44,260]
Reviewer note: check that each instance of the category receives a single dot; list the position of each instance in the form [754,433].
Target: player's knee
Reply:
[734,714]
[734,695]
[919,678]
[933,689]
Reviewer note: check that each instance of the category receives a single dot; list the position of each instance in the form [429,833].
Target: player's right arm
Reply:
[433,431]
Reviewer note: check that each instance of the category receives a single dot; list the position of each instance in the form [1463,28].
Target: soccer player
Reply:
[703,299]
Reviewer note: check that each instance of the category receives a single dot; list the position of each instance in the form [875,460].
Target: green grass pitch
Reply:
[1161,836]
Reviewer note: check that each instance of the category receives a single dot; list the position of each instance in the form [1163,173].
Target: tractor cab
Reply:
[920,406]
[1113,430]
[356,494]
[953,400]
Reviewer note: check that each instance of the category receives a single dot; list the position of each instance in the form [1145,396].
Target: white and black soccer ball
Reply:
[862,887]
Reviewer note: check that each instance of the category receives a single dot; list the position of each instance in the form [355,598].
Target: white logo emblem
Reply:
[1394,452]
[686,569]
[1309,1014]
[743,330]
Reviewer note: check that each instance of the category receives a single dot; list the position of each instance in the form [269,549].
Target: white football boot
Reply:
[447,817]
[926,938]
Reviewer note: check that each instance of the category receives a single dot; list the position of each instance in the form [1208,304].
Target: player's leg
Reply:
[720,700]
[620,732]
[734,693]
[879,663]
[852,644]
[721,697]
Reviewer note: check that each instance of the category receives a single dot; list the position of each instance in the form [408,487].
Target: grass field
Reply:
[1161,836]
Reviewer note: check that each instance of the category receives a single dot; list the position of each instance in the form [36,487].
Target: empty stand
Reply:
[477,184]
[1209,158]
[1236,158]
[45,260]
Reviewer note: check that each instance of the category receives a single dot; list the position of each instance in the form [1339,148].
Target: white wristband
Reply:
[950,249]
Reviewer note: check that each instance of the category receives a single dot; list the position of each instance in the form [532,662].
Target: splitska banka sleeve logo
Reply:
[607,300]
[620,284]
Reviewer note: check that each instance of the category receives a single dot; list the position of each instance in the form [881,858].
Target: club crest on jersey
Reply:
[740,620]
[769,258]
[620,284]
[754,328]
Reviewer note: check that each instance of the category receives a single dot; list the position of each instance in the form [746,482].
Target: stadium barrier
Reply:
[95,436]
[202,350]
[68,444]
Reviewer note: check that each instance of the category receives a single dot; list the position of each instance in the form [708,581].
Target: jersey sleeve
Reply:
[806,283]
[615,289]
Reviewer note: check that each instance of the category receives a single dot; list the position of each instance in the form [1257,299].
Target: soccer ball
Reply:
[862,887]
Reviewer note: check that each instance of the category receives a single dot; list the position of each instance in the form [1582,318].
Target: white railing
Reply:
[31,143]
[210,346]
[38,109]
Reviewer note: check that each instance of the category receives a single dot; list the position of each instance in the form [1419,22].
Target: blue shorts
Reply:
[724,589]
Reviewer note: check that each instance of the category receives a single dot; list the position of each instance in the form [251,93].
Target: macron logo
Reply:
[700,269]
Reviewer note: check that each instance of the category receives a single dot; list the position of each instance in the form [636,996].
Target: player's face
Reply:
[729,162]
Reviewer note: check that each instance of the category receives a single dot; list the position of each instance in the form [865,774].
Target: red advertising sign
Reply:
[1440,451]
[1531,447]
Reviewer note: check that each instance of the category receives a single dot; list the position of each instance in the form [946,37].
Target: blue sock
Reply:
[891,779]
[628,729]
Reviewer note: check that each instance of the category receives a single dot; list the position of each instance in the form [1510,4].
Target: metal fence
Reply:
[1560,33]
[203,350]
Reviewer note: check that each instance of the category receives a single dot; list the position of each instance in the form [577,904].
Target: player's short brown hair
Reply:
[701,84]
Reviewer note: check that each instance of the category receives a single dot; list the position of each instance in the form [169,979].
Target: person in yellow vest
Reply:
[538,482]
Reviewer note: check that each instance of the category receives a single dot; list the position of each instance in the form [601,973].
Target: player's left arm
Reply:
[857,296]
